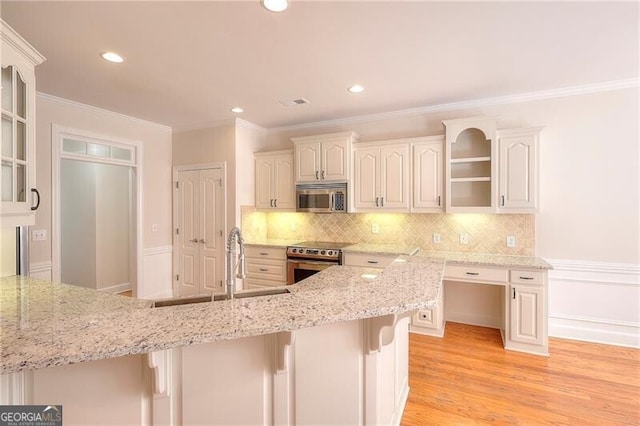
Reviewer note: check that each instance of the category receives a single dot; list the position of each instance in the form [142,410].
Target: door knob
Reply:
[202,241]
[195,240]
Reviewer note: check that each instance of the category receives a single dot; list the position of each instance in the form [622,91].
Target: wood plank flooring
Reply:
[468,378]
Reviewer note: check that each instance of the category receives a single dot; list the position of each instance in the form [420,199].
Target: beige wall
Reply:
[589,186]
[156,179]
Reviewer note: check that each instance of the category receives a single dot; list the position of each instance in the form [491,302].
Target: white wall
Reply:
[156,178]
[588,226]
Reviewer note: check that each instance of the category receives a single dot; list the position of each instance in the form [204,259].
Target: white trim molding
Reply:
[595,302]
[158,273]
[41,270]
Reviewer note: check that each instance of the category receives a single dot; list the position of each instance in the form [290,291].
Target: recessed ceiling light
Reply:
[237,110]
[275,5]
[356,88]
[112,57]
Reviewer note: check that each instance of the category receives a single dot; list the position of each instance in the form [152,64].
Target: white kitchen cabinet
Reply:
[381,177]
[518,170]
[323,158]
[17,147]
[371,260]
[428,175]
[265,266]
[274,180]
[526,320]
[471,165]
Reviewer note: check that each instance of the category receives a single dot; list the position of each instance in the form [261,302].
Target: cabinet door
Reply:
[283,188]
[265,170]
[428,175]
[526,314]
[335,157]
[366,179]
[394,178]
[518,171]
[307,157]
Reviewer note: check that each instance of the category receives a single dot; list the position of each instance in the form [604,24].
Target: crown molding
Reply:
[12,38]
[97,110]
[476,103]
[249,125]
[238,122]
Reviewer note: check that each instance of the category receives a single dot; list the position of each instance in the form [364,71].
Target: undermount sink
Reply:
[217,297]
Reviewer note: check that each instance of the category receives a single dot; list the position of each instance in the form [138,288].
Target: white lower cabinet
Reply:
[522,304]
[265,266]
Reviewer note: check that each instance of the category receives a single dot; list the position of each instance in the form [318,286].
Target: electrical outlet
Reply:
[464,239]
[294,226]
[511,241]
[375,228]
[39,235]
[436,238]
[154,227]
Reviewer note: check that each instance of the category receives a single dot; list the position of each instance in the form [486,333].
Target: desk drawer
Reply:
[476,273]
[266,252]
[523,276]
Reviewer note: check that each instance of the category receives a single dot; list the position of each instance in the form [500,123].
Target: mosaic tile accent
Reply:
[487,232]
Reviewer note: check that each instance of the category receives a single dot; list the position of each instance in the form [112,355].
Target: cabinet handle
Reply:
[439,200]
[317,178]
[323,175]
[275,202]
[372,261]
[264,254]
[514,294]
[264,269]
[502,196]
[37,202]
[526,278]
[271,202]
[473,273]
[381,201]
[377,202]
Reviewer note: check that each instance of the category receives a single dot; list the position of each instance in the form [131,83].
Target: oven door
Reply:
[299,269]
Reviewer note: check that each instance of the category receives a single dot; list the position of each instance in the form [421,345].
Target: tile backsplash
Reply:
[487,233]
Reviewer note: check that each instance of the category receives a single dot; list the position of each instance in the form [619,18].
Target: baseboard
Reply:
[118,288]
[401,404]
[474,319]
[595,331]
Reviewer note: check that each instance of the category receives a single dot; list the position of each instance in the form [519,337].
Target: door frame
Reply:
[58,133]
[175,213]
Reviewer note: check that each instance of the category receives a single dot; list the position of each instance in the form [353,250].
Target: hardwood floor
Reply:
[468,378]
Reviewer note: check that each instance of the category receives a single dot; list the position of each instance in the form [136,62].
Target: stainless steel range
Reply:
[310,257]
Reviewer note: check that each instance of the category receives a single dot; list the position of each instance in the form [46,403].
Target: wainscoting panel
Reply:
[41,270]
[157,273]
[595,302]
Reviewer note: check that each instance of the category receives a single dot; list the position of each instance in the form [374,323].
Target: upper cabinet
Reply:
[471,165]
[381,176]
[18,153]
[323,158]
[428,175]
[274,180]
[518,171]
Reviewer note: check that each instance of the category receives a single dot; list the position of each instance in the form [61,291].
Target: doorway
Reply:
[199,215]
[96,211]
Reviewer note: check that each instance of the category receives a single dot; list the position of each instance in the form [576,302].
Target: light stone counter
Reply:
[481,259]
[69,325]
[271,243]
[382,249]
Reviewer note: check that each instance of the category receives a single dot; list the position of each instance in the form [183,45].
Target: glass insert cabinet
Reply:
[18,195]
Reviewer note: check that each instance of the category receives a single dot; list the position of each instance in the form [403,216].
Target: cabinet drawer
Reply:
[252,283]
[369,260]
[266,252]
[266,269]
[475,273]
[523,276]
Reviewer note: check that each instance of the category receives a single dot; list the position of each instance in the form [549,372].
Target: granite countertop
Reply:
[482,259]
[45,324]
[271,243]
[383,249]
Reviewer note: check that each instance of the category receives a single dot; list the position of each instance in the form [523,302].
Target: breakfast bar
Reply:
[332,350]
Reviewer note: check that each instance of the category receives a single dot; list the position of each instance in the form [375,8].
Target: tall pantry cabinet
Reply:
[19,197]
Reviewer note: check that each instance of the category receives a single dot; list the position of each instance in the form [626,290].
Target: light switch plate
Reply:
[436,238]
[39,235]
[464,239]
[375,228]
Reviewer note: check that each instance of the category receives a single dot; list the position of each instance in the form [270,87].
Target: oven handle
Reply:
[311,262]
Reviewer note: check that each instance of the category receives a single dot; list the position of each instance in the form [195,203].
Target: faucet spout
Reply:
[235,264]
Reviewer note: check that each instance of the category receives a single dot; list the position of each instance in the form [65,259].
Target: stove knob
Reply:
[322,252]
[330,252]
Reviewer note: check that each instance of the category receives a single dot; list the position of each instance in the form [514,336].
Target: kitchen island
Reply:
[332,351]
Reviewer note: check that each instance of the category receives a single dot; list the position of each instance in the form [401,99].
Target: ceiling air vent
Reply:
[295,102]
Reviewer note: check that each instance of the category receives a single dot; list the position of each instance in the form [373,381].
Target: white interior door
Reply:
[199,236]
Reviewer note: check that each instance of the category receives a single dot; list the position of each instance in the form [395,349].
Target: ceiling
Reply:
[188,63]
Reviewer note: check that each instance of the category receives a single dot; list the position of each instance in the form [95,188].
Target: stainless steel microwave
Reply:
[321,198]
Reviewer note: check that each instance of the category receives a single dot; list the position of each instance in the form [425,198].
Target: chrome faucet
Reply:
[236,270]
